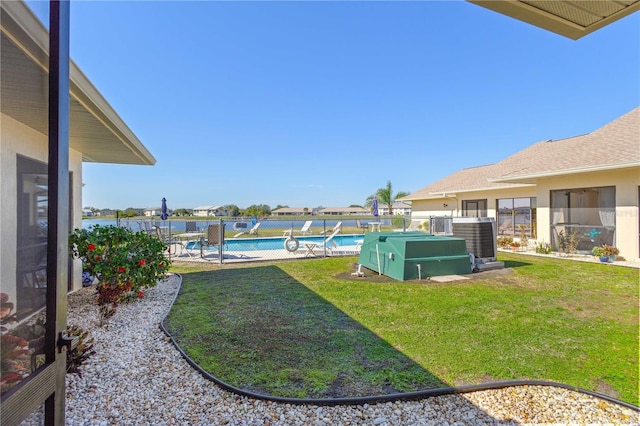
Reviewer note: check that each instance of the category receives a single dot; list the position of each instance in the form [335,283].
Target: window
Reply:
[474,208]
[587,213]
[31,259]
[517,215]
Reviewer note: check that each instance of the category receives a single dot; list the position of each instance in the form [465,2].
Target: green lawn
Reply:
[309,329]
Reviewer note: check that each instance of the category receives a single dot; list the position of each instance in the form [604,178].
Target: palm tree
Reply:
[386,197]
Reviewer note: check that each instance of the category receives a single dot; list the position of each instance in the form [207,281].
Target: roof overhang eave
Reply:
[531,178]
[83,91]
[551,19]
[482,189]
[23,28]
[438,195]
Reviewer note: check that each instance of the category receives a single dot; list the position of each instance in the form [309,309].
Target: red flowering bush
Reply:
[124,262]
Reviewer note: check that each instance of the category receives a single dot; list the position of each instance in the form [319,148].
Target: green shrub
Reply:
[398,221]
[505,242]
[424,226]
[568,243]
[124,262]
[543,248]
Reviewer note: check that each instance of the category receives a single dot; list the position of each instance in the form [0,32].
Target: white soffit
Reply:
[573,19]
[95,129]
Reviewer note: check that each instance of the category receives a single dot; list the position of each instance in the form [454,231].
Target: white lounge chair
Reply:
[303,231]
[336,227]
[327,244]
[252,231]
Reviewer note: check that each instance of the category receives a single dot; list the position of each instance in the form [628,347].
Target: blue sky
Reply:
[311,104]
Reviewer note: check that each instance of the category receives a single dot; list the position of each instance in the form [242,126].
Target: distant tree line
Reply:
[384,195]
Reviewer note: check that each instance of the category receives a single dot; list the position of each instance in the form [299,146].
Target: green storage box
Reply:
[414,255]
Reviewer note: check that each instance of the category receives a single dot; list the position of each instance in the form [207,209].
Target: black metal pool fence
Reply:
[250,239]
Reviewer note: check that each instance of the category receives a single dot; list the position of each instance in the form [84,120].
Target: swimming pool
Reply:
[274,243]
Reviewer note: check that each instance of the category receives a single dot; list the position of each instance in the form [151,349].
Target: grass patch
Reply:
[307,329]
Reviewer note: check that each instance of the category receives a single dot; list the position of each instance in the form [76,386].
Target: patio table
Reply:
[187,238]
[310,245]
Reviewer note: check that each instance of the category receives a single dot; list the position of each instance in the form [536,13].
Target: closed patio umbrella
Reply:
[374,206]
[164,215]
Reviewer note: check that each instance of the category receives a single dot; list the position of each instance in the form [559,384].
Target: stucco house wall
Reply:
[18,139]
[627,184]
[423,209]
[209,211]
[96,134]
[607,157]
[626,181]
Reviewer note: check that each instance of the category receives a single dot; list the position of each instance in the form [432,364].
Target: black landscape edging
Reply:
[407,396]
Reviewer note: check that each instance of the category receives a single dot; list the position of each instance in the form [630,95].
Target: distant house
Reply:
[348,211]
[292,211]
[154,211]
[397,208]
[587,186]
[209,211]
[87,212]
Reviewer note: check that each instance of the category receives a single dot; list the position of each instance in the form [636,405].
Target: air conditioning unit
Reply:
[480,234]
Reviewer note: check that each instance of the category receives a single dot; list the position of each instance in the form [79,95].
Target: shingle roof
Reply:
[471,179]
[615,145]
[207,208]
[343,210]
[292,210]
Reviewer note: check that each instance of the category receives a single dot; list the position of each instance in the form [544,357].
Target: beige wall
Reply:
[423,209]
[626,181]
[15,139]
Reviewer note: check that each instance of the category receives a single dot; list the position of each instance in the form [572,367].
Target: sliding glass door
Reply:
[586,214]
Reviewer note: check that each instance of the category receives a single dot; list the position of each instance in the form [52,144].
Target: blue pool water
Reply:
[276,243]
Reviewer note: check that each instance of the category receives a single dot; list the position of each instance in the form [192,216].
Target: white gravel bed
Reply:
[137,378]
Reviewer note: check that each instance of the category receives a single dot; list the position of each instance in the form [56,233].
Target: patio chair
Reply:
[174,246]
[162,236]
[146,227]
[190,226]
[32,270]
[336,227]
[303,231]
[215,238]
[360,225]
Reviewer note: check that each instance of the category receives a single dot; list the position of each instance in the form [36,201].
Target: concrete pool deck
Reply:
[211,256]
